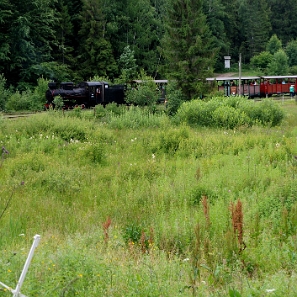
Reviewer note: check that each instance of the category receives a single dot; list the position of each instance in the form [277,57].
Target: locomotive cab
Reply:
[95,91]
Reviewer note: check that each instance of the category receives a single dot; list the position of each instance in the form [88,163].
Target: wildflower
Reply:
[153,156]
[270,290]
[277,145]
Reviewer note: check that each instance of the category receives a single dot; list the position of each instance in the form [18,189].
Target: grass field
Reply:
[133,204]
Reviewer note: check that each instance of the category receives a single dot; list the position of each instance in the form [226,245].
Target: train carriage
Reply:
[277,85]
[249,87]
[255,86]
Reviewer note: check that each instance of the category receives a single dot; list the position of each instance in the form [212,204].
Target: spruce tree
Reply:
[188,46]
[96,56]
[254,26]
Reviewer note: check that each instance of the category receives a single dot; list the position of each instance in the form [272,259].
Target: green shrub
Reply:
[132,233]
[4,93]
[228,117]
[171,139]
[229,113]
[19,101]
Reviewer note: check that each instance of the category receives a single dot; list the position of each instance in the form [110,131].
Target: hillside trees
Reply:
[64,34]
[95,54]
[231,24]
[274,44]
[279,64]
[5,20]
[215,13]
[291,51]
[85,38]
[255,27]
[30,36]
[284,19]
[144,31]
[188,46]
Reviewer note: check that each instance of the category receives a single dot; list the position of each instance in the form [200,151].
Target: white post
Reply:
[16,292]
[26,266]
[239,80]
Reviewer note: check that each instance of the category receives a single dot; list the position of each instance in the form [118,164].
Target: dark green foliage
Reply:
[132,234]
[31,36]
[216,13]
[188,46]
[95,50]
[75,40]
[254,25]
[4,93]
[283,19]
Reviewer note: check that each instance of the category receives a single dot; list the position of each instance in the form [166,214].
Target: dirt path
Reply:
[228,74]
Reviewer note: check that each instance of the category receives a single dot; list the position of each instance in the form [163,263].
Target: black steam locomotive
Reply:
[85,94]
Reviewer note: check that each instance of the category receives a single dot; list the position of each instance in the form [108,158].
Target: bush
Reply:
[174,97]
[229,113]
[19,101]
[228,117]
[4,93]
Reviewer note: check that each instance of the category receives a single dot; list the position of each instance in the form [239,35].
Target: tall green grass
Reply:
[118,202]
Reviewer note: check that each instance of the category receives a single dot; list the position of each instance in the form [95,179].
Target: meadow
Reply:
[134,203]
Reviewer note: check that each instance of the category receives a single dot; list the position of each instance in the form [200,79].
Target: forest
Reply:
[116,39]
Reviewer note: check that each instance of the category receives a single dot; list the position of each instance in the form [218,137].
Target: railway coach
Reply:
[255,86]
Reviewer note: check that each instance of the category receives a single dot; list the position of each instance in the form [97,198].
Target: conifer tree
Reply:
[255,26]
[188,46]
[96,56]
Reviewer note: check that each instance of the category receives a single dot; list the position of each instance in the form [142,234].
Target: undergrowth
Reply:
[148,208]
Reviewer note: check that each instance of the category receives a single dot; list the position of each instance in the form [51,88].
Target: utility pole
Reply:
[239,81]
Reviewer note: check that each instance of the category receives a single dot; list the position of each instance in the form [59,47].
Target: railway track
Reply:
[16,116]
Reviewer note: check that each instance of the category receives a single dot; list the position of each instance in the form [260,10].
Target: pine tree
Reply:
[96,57]
[188,46]
[255,26]
[31,37]
[5,20]
[283,22]
[64,34]
[216,13]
